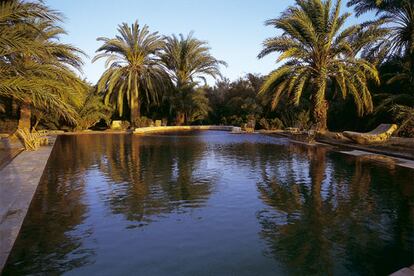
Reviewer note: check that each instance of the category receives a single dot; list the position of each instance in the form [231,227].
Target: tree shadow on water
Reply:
[335,214]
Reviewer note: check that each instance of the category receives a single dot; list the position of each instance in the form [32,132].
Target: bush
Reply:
[233,120]
[264,124]
[303,120]
[276,123]
[120,125]
[405,117]
[251,121]
[125,125]
[143,122]
[271,124]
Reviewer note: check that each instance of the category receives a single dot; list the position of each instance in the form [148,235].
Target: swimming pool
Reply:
[214,203]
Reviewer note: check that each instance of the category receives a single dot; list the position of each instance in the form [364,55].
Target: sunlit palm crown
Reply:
[35,67]
[320,56]
[397,19]
[189,59]
[133,66]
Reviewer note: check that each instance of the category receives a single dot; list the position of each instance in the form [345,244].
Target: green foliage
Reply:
[395,20]
[251,122]
[327,67]
[394,52]
[199,107]
[271,124]
[35,68]
[233,102]
[92,110]
[320,58]
[189,101]
[143,122]
[188,60]
[405,116]
[303,120]
[134,72]
[276,123]
[233,120]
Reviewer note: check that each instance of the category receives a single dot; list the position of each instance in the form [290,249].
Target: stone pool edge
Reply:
[146,130]
[19,181]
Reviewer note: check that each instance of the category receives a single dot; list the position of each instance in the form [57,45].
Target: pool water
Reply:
[214,203]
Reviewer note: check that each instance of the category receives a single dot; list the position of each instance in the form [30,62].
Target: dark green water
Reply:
[213,203]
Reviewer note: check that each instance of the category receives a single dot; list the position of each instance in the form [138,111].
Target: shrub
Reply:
[143,122]
[303,120]
[276,123]
[264,124]
[233,120]
[405,117]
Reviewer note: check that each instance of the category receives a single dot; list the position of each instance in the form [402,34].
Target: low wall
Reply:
[143,130]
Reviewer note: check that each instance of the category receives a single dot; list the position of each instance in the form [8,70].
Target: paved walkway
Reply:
[18,183]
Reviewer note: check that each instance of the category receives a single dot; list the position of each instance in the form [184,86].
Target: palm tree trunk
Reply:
[320,115]
[25,115]
[320,104]
[135,111]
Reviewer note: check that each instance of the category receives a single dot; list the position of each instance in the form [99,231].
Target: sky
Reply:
[234,29]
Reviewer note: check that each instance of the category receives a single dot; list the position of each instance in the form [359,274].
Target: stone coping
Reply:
[143,130]
[19,181]
[381,158]
[379,149]
[406,271]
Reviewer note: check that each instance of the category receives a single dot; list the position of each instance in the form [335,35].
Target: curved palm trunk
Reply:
[25,115]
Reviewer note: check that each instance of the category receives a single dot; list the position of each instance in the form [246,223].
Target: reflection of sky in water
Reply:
[214,203]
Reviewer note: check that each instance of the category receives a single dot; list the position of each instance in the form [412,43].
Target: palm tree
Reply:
[321,58]
[92,109]
[396,50]
[397,19]
[188,61]
[35,68]
[134,70]
[192,103]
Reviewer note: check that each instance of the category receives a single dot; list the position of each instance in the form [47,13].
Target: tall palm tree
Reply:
[188,61]
[134,70]
[321,58]
[36,70]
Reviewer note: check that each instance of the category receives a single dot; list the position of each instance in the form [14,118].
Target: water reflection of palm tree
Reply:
[296,231]
[377,214]
[146,177]
[330,222]
[152,177]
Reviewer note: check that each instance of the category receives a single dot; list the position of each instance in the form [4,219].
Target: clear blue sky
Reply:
[234,28]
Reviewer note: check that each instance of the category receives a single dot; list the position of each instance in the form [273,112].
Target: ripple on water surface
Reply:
[210,203]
